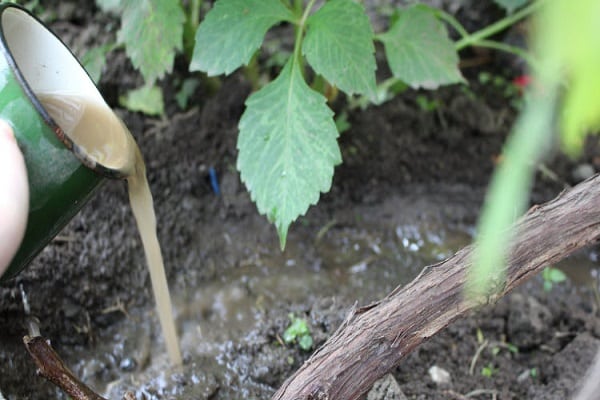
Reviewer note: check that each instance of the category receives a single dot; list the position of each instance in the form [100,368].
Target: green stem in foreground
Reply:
[512,180]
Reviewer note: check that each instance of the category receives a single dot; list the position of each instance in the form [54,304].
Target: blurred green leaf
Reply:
[94,60]
[552,276]
[305,342]
[419,51]
[232,32]
[146,99]
[566,37]
[287,148]
[508,193]
[152,33]
[339,46]
[570,33]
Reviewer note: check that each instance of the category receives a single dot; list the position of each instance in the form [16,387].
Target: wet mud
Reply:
[407,195]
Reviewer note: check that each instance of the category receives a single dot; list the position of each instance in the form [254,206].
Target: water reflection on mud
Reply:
[343,261]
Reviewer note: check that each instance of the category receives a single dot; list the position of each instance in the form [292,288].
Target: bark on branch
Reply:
[374,339]
[52,367]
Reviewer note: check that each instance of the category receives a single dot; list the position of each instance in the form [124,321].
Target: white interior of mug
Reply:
[68,96]
[46,64]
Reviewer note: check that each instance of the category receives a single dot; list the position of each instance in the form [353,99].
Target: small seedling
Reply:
[551,277]
[488,371]
[298,332]
[187,89]
[426,104]
[508,346]
[533,372]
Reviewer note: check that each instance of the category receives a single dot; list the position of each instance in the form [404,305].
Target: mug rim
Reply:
[77,151]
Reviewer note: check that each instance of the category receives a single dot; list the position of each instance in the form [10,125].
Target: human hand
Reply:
[14,196]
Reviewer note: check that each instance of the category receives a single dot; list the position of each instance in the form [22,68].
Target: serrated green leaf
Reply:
[146,99]
[511,5]
[419,51]
[287,148]
[232,31]
[339,46]
[152,32]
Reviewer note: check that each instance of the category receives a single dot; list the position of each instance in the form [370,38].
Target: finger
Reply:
[14,196]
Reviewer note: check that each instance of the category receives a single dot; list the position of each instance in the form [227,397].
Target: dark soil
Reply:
[407,194]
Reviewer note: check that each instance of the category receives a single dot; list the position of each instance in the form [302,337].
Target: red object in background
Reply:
[522,81]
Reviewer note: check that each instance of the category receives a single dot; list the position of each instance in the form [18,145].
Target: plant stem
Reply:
[251,72]
[475,38]
[300,29]
[492,44]
[194,13]
[453,22]
[191,24]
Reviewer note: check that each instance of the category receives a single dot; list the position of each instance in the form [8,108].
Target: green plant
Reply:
[496,348]
[426,104]
[288,137]
[488,371]
[152,32]
[565,37]
[298,332]
[533,372]
[552,276]
[287,142]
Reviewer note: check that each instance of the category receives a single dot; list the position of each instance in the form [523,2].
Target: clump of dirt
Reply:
[407,195]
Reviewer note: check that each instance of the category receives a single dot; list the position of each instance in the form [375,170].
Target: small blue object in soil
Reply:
[214,181]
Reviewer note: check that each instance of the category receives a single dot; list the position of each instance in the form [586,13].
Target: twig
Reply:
[477,392]
[455,395]
[476,356]
[51,367]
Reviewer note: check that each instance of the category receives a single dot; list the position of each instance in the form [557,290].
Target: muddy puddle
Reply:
[231,326]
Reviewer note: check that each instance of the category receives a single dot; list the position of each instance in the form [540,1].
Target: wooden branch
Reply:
[51,367]
[374,339]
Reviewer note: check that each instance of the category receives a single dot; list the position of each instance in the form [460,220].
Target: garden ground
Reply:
[407,195]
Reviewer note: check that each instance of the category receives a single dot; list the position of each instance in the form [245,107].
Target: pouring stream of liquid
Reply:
[101,134]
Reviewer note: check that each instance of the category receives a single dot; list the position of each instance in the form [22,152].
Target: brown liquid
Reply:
[97,130]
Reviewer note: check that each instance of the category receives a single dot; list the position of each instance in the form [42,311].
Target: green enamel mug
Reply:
[62,176]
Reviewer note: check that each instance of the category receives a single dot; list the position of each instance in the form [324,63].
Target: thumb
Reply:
[14,196]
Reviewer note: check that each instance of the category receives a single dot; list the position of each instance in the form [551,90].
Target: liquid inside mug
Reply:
[62,175]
